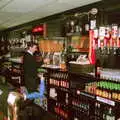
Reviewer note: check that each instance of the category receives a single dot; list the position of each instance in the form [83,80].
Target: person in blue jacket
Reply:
[36,94]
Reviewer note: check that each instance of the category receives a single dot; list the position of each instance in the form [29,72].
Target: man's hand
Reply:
[39,75]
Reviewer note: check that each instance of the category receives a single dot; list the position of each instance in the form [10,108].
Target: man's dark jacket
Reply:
[30,72]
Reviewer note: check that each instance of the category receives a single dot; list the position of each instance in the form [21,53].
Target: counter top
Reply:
[54,67]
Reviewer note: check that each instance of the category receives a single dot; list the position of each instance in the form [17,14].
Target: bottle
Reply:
[63,60]
[97,109]
[97,68]
[110,115]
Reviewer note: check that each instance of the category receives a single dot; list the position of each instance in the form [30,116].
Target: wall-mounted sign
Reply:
[40,30]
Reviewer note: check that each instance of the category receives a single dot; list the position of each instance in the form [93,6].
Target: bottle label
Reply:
[108,117]
[98,71]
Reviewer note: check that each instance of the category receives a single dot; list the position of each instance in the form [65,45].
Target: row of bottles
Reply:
[81,105]
[93,110]
[84,109]
[59,75]
[90,87]
[107,36]
[100,112]
[61,111]
[73,25]
[20,40]
[4,46]
[108,94]
[106,43]
[104,112]
[59,83]
[112,51]
[108,85]
[81,22]
[104,89]
[59,80]
[110,74]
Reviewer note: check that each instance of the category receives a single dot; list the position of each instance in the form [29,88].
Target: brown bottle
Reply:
[97,68]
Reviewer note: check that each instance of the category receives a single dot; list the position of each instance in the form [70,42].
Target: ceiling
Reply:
[16,12]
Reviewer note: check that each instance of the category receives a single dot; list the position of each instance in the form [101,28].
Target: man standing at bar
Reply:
[31,80]
[35,85]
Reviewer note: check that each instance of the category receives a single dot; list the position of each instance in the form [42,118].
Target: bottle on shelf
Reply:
[108,115]
[97,68]
[63,60]
[97,109]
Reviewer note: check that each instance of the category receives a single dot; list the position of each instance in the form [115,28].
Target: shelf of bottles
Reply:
[62,111]
[82,106]
[105,45]
[16,71]
[19,40]
[106,90]
[58,80]
[105,112]
[109,89]
[95,102]
[15,74]
[106,41]
[112,75]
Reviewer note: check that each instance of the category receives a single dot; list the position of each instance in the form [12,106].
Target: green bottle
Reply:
[110,115]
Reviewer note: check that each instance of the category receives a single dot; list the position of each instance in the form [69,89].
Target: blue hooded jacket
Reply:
[39,94]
